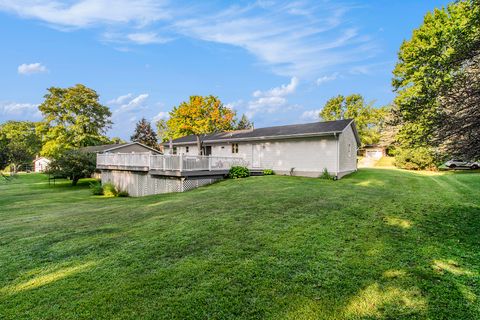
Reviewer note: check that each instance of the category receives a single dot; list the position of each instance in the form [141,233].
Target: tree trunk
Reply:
[75,180]
[199,145]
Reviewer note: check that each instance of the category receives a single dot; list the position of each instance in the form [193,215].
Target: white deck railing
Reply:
[169,162]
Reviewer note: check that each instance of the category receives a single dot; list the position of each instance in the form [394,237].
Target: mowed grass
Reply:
[379,244]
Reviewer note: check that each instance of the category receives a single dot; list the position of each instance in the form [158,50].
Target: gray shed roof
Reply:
[101,148]
[112,147]
[288,131]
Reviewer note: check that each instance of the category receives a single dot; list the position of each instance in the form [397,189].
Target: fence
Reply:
[169,162]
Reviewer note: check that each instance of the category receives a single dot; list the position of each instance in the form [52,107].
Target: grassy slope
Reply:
[378,244]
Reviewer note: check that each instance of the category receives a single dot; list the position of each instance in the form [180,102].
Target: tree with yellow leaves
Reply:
[200,116]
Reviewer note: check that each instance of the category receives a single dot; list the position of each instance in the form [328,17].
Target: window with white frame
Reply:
[174,150]
[187,149]
[234,147]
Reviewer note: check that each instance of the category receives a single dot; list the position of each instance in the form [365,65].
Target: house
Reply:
[299,149]
[373,151]
[40,164]
[131,147]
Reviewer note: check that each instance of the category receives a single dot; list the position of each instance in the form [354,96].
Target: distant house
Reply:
[300,149]
[131,147]
[373,151]
[40,164]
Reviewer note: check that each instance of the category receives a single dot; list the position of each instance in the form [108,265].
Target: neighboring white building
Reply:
[300,150]
[40,164]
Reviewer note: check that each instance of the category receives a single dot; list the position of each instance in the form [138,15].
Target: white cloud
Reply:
[311,115]
[301,38]
[87,13]
[271,100]
[293,39]
[31,68]
[128,103]
[121,99]
[19,111]
[327,78]
[162,115]
[147,38]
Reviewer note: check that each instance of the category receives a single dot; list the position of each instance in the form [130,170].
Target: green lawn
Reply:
[379,244]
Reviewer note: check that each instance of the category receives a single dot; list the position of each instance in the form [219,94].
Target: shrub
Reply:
[238,172]
[268,172]
[421,158]
[109,190]
[96,188]
[123,194]
[326,175]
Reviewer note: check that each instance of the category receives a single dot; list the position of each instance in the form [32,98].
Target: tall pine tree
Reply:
[145,134]
[244,123]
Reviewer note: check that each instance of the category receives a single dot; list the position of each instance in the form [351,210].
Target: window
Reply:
[234,147]
[187,149]
[174,150]
[349,150]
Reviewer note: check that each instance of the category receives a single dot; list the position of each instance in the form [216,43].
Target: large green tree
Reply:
[73,164]
[368,119]
[145,134]
[200,116]
[435,79]
[72,118]
[21,143]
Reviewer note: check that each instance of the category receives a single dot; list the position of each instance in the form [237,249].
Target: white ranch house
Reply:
[300,150]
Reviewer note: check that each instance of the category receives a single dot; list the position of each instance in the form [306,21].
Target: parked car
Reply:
[456,163]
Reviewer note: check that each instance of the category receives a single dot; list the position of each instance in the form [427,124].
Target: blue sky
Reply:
[278,62]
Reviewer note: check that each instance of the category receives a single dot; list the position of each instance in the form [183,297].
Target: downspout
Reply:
[338,156]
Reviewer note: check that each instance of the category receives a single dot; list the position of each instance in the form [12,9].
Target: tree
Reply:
[73,164]
[22,142]
[243,123]
[434,79]
[162,130]
[144,134]
[72,118]
[369,120]
[200,116]
[4,151]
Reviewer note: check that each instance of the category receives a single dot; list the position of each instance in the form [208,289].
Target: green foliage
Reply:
[238,172]
[123,194]
[427,67]
[109,190]
[420,158]
[268,172]
[73,164]
[162,130]
[96,188]
[200,116]
[243,123]
[368,119]
[145,134]
[19,143]
[72,118]
[326,175]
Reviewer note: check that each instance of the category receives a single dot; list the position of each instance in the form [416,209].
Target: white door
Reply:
[374,154]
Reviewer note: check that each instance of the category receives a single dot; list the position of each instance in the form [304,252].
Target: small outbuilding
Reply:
[373,151]
[40,164]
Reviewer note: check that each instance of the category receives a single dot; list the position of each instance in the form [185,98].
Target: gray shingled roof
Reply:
[101,148]
[307,129]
